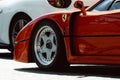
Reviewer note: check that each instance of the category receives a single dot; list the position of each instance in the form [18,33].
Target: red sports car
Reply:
[79,36]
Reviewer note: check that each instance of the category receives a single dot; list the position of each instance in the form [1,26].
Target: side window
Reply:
[116,5]
[60,3]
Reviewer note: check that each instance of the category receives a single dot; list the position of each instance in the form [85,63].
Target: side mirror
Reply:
[80,5]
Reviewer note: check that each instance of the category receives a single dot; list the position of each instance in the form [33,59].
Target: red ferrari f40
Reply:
[78,36]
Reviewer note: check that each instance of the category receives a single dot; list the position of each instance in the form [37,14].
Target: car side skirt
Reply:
[4,46]
[82,59]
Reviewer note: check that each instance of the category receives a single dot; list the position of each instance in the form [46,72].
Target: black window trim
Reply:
[113,3]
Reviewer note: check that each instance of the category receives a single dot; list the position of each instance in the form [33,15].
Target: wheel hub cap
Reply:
[49,44]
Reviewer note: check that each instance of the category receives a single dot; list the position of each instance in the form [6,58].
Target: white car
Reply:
[14,14]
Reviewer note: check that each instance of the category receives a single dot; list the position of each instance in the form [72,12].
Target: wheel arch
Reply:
[15,16]
[11,21]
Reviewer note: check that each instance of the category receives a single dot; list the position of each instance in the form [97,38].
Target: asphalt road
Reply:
[12,70]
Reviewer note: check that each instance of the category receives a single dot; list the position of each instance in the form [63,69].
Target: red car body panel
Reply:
[97,34]
[22,41]
[93,38]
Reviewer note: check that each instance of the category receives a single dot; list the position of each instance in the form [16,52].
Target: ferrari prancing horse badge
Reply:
[64,17]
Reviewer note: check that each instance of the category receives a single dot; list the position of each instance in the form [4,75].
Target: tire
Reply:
[16,25]
[48,48]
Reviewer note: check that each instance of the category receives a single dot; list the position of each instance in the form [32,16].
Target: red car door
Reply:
[97,33]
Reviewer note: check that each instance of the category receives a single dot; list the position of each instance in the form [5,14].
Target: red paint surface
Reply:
[93,38]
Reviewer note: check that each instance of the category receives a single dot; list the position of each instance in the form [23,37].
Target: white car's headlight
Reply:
[1,10]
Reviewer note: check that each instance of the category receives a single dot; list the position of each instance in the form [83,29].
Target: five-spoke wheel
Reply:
[47,45]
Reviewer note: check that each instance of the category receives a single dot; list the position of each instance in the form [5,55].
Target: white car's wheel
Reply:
[16,25]
[48,46]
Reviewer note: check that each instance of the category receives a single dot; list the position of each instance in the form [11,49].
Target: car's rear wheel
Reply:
[17,24]
[48,47]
